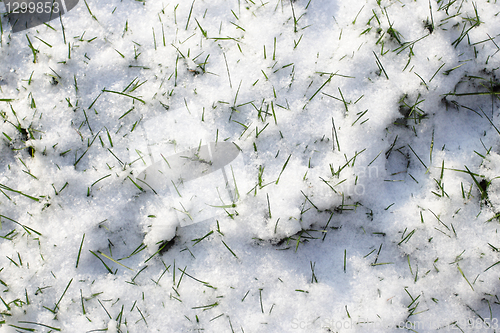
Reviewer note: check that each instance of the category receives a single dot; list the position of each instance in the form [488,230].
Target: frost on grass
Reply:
[364,196]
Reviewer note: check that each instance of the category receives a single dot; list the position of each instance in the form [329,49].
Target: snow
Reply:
[364,196]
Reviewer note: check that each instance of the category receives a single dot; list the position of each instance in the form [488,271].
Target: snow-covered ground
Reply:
[365,196]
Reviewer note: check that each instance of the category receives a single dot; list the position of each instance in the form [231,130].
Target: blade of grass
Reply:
[123,94]
[113,260]
[80,251]
[4,187]
[64,293]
